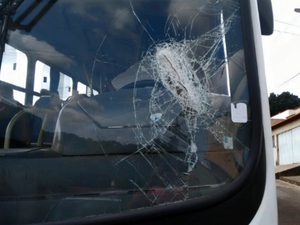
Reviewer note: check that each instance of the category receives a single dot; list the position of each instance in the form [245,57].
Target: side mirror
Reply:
[266,17]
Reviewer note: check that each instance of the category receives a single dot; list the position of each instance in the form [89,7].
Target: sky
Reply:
[282,49]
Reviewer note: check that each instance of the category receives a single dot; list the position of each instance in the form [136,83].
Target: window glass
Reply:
[19,96]
[41,77]
[65,86]
[95,92]
[89,93]
[14,67]
[81,88]
[35,98]
[169,119]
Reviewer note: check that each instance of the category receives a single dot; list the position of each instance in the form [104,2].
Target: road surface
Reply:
[288,198]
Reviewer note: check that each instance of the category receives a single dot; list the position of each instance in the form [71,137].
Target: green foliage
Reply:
[282,102]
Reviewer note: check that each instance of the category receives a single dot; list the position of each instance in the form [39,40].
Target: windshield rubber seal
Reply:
[255,164]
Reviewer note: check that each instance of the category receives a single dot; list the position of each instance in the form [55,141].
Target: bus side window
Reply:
[14,71]
[83,89]
[65,86]
[41,79]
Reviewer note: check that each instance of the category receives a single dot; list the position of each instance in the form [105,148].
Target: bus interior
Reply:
[114,106]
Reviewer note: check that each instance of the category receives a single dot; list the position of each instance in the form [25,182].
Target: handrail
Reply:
[10,126]
[42,131]
[17,116]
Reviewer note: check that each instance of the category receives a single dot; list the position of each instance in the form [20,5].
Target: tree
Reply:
[282,102]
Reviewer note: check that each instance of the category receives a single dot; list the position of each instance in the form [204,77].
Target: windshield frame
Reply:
[256,158]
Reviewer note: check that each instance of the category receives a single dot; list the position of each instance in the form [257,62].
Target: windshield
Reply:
[114,106]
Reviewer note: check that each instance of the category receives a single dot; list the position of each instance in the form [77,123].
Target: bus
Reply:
[135,112]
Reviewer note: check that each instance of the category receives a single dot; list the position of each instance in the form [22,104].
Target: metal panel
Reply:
[285,145]
[274,156]
[296,145]
[274,149]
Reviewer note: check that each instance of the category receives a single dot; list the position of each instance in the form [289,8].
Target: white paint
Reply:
[267,212]
[239,113]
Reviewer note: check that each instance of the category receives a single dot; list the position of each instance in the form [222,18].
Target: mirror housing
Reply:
[266,16]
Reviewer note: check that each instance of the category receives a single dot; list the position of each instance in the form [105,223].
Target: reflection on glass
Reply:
[41,77]
[13,67]
[65,86]
[169,119]
[19,96]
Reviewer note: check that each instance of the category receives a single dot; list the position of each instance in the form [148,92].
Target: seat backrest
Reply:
[46,111]
[48,100]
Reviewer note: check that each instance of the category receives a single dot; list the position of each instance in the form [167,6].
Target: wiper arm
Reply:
[3,4]
[9,9]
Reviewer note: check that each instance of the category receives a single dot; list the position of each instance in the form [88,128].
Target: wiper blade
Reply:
[3,4]
[9,8]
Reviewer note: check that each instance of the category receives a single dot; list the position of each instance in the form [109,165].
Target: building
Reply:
[286,137]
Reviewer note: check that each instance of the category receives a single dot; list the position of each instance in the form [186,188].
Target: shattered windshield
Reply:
[113,106]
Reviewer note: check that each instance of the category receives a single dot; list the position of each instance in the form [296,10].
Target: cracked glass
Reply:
[155,109]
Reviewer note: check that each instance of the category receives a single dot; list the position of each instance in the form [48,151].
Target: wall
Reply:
[282,129]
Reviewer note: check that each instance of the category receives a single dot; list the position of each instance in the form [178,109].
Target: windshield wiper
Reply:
[27,27]
[9,7]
